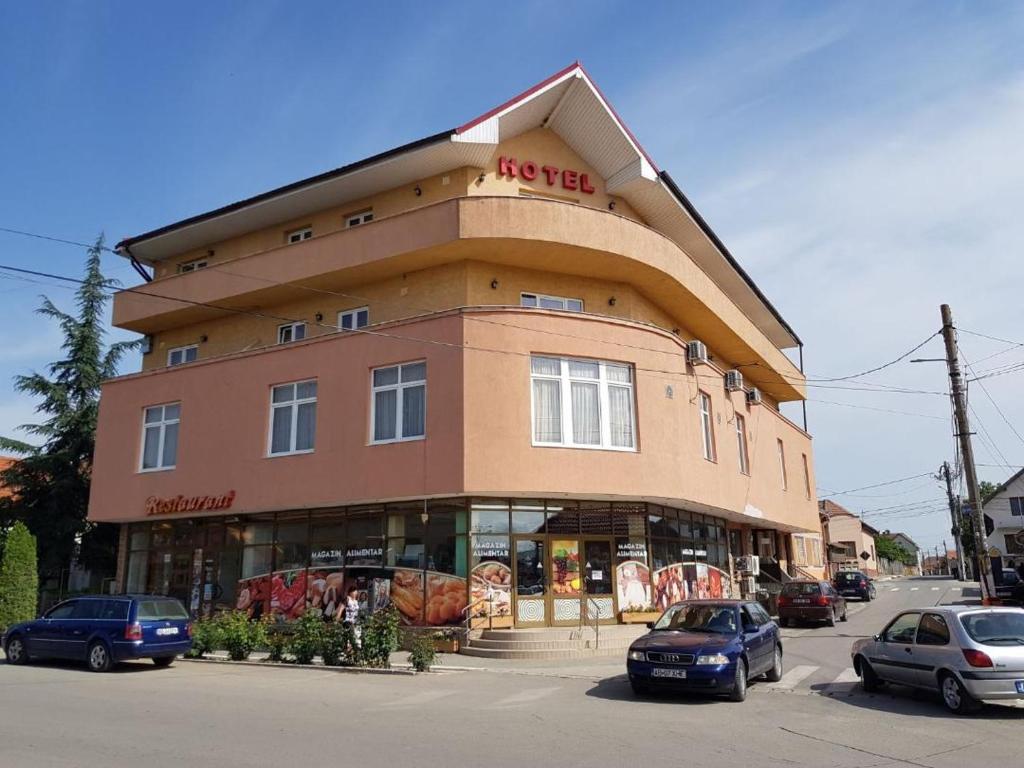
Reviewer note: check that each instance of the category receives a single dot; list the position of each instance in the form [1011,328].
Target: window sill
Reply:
[572,446]
[290,453]
[398,440]
[149,470]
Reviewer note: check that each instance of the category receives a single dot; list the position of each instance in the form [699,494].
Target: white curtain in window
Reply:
[385,414]
[547,410]
[620,404]
[305,429]
[586,414]
[281,434]
[170,457]
[151,451]
[414,401]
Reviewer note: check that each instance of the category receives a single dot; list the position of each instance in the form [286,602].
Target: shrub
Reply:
[422,656]
[19,582]
[380,637]
[308,638]
[205,637]
[239,635]
[339,645]
[277,642]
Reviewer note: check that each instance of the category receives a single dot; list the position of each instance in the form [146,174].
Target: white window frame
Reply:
[362,217]
[807,475]
[162,426]
[400,387]
[707,425]
[184,353]
[741,444]
[354,314]
[292,405]
[604,403]
[298,235]
[192,266]
[537,297]
[291,327]
[782,463]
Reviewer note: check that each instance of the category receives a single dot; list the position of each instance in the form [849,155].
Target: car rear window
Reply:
[995,628]
[792,590]
[848,576]
[155,610]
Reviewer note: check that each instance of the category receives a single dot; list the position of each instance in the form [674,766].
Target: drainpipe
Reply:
[803,402]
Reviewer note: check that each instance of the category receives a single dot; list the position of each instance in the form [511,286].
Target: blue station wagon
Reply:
[103,630]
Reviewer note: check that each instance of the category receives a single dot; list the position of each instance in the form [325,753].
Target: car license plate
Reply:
[662,672]
[167,631]
[801,601]
[1020,686]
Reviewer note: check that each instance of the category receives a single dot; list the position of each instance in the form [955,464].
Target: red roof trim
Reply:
[525,94]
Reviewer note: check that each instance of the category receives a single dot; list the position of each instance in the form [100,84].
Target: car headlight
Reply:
[637,656]
[712,660]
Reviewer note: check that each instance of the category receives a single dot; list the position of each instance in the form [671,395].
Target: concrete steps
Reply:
[552,643]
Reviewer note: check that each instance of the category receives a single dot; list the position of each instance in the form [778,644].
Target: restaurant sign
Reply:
[529,170]
[158,506]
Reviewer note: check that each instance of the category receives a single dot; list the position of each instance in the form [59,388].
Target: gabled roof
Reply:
[1007,484]
[568,103]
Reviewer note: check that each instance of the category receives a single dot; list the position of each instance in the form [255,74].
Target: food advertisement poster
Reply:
[288,594]
[634,585]
[669,586]
[565,555]
[492,581]
[254,596]
[325,591]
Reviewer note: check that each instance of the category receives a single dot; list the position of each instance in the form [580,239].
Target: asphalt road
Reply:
[210,714]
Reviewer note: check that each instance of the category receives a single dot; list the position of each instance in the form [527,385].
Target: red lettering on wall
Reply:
[157,506]
[569,179]
[507,166]
[551,173]
[529,170]
[585,186]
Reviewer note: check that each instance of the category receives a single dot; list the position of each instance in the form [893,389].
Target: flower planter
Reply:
[639,617]
[446,645]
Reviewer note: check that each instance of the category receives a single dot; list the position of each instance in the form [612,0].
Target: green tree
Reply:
[50,482]
[988,490]
[19,583]
[890,550]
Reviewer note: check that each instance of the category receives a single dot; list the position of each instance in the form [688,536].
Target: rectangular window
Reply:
[782,465]
[191,266]
[363,217]
[292,418]
[354,318]
[707,427]
[291,332]
[182,355]
[807,475]
[550,302]
[160,437]
[582,403]
[1017,506]
[399,403]
[741,444]
[298,235]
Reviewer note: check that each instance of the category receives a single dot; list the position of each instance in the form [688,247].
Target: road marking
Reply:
[417,700]
[956,589]
[914,589]
[793,678]
[895,589]
[935,589]
[523,697]
[848,675]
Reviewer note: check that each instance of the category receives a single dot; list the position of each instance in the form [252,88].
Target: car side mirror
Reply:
[877,638]
[748,628]
[650,625]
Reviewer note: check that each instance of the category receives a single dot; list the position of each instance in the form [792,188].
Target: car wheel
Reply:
[99,657]
[639,689]
[831,620]
[869,680]
[955,696]
[775,673]
[15,651]
[163,661]
[739,686]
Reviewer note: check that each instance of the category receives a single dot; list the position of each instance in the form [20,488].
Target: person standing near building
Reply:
[349,613]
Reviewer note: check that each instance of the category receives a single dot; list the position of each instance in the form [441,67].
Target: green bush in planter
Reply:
[381,634]
[278,637]
[307,639]
[240,635]
[205,637]
[423,656]
[339,645]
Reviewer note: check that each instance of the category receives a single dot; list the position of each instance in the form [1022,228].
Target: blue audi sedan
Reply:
[103,630]
[711,646]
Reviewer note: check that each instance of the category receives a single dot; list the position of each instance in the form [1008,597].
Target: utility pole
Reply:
[967,450]
[955,519]
[945,558]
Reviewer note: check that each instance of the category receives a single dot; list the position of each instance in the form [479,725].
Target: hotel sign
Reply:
[529,170]
[158,506]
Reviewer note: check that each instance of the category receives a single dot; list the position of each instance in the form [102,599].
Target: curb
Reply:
[321,667]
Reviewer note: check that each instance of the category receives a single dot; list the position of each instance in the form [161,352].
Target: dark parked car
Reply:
[855,584]
[1010,588]
[102,631]
[713,646]
[808,600]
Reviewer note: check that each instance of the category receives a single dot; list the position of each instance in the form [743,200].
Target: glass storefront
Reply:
[506,562]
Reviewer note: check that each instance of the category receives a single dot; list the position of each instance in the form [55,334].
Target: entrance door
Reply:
[566,581]
[598,568]
[531,608]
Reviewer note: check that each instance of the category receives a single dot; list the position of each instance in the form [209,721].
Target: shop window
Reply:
[364,545]
[563,521]
[298,235]
[293,418]
[181,355]
[656,521]
[542,301]
[399,402]
[355,219]
[707,427]
[489,517]
[291,546]
[136,577]
[350,319]
[445,540]
[257,561]
[160,437]
[660,554]
[290,332]
[582,404]
[685,524]
[595,518]
[406,531]
[527,516]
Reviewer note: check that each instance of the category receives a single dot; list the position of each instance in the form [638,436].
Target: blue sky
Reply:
[862,160]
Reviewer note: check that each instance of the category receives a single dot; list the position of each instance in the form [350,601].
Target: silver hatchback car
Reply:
[968,654]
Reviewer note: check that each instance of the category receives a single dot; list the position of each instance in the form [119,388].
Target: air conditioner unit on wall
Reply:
[754,396]
[748,565]
[696,352]
[733,381]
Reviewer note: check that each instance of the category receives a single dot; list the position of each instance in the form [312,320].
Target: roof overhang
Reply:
[568,103]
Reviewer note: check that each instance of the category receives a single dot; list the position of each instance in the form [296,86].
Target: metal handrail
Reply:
[468,620]
[585,619]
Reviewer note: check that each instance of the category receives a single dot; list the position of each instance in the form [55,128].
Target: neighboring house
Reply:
[6,462]
[910,546]
[1006,510]
[940,565]
[851,540]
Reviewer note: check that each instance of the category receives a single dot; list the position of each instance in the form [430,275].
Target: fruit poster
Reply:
[565,558]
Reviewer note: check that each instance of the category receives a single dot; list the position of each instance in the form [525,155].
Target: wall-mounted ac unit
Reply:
[754,396]
[696,352]
[748,565]
[733,381]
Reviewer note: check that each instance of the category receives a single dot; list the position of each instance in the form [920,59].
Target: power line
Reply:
[995,405]
[880,410]
[876,485]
